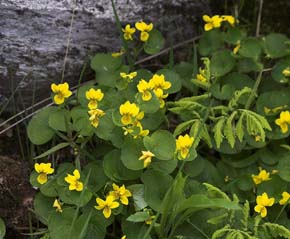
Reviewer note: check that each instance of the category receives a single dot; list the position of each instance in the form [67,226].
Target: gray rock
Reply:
[34,34]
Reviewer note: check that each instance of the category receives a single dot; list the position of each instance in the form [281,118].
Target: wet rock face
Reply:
[34,34]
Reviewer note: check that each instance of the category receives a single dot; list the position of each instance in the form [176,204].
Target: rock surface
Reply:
[34,35]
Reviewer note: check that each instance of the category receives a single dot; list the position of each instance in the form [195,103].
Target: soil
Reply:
[16,196]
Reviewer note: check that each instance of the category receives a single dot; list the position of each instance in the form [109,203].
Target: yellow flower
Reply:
[128,32]
[94,96]
[286,72]
[57,206]
[258,138]
[95,116]
[267,110]
[150,220]
[73,181]
[201,78]
[262,202]
[43,169]
[283,121]
[120,193]
[183,144]
[230,19]
[128,112]
[118,54]
[107,205]
[158,82]
[237,48]
[212,22]
[123,237]
[144,88]
[261,177]
[129,77]
[144,28]
[146,156]
[285,198]
[61,92]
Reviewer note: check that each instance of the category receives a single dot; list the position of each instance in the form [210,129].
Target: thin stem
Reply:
[198,229]
[68,41]
[281,211]
[259,18]
[255,88]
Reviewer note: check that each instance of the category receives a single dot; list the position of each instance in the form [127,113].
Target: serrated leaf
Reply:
[240,128]
[218,131]
[229,130]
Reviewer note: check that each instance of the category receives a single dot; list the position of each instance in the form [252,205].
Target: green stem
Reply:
[281,211]
[255,88]
[198,229]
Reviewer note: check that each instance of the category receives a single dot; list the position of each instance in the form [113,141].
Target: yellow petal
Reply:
[42,178]
[107,212]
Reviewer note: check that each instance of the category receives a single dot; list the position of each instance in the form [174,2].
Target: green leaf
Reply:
[52,150]
[210,42]
[218,131]
[284,167]
[38,129]
[182,127]
[233,35]
[105,63]
[50,188]
[154,43]
[275,101]
[130,153]
[166,167]
[60,120]
[115,170]
[276,45]
[138,217]
[75,197]
[228,129]
[156,185]
[150,106]
[173,78]
[134,230]
[137,191]
[2,228]
[43,207]
[195,167]
[251,48]
[246,65]
[161,143]
[278,69]
[97,178]
[240,128]
[222,62]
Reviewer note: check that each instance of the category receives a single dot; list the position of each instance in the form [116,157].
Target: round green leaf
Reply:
[97,177]
[75,197]
[115,170]
[154,43]
[284,167]
[233,35]
[248,65]
[60,120]
[251,48]
[278,69]
[43,206]
[195,167]
[210,42]
[150,106]
[161,143]
[137,191]
[49,189]
[166,167]
[130,153]
[105,63]
[273,100]
[276,45]
[222,62]
[156,185]
[38,129]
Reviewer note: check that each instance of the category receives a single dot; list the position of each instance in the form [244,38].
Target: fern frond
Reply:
[246,215]
[215,192]
[275,230]
[229,130]
[218,131]
[240,128]
[182,127]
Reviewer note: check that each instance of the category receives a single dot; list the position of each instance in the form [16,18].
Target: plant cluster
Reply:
[197,149]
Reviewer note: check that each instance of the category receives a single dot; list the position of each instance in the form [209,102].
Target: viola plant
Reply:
[196,149]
